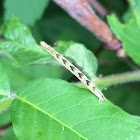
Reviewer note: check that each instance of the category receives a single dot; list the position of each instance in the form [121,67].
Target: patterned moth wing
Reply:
[74,70]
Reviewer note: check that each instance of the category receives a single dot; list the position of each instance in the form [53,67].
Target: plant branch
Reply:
[81,11]
[99,8]
[115,79]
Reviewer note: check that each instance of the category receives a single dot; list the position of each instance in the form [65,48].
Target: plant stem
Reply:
[81,11]
[115,79]
[99,8]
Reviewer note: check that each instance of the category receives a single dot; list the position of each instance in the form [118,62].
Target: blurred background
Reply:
[48,22]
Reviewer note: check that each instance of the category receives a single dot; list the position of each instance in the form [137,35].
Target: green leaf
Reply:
[55,109]
[5,117]
[20,45]
[21,54]
[4,82]
[135,6]
[6,102]
[19,76]
[129,35]
[29,10]
[127,16]
[13,30]
[80,56]
[21,48]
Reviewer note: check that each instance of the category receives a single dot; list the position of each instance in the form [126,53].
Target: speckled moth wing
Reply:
[73,70]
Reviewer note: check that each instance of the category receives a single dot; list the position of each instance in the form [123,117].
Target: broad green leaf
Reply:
[4,82]
[29,10]
[55,109]
[129,34]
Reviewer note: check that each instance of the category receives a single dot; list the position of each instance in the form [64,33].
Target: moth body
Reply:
[74,70]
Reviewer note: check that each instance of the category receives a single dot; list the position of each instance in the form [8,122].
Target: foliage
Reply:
[69,113]
[18,8]
[132,29]
[35,90]
[4,82]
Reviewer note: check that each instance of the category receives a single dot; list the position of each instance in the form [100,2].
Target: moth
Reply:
[74,70]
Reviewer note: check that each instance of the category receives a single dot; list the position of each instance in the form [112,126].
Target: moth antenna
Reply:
[74,70]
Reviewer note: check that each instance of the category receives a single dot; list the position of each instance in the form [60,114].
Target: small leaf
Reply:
[80,56]
[55,109]
[129,35]
[13,30]
[29,10]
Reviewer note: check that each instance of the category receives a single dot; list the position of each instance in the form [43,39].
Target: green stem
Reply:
[115,79]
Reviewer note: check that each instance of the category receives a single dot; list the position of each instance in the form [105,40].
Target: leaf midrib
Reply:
[53,117]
